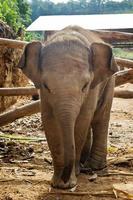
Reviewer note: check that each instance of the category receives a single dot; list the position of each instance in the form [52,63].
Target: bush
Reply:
[16,13]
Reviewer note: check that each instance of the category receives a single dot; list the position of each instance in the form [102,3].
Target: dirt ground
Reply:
[26,165]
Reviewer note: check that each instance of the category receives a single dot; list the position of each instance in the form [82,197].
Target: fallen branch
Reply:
[124,76]
[119,160]
[29,109]
[7,180]
[124,62]
[115,172]
[98,194]
[123,190]
[18,91]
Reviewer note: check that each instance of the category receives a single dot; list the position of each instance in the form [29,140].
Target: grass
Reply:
[21,138]
[123,53]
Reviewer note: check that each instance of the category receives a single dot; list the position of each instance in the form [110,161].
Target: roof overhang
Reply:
[93,22]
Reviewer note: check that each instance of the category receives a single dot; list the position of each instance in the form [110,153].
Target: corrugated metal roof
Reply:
[104,21]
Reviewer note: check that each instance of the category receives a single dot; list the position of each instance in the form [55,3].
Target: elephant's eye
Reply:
[46,87]
[85,86]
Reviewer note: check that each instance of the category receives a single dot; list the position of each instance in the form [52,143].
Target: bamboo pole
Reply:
[18,91]
[26,110]
[12,43]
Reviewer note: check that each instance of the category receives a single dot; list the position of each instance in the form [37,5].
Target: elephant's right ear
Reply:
[103,62]
[29,62]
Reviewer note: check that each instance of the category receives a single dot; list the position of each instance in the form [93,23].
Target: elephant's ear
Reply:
[103,63]
[29,62]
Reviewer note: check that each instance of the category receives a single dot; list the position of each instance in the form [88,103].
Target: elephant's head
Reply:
[65,71]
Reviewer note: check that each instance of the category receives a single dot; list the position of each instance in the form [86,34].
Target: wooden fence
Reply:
[122,77]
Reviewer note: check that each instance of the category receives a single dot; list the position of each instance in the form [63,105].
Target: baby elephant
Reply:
[74,72]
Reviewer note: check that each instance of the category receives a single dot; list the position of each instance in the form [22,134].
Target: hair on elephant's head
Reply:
[65,70]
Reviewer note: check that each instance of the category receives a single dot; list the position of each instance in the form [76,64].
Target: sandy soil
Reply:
[26,167]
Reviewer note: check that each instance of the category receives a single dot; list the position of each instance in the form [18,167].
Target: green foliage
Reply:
[30,36]
[123,53]
[15,12]
[77,7]
[25,12]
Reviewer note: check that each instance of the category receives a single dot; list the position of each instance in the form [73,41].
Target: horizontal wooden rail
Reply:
[18,91]
[126,94]
[34,107]
[124,62]
[12,43]
[107,36]
[26,110]
[124,76]
[113,36]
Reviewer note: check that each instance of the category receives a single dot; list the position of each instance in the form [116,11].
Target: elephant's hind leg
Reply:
[87,148]
[100,124]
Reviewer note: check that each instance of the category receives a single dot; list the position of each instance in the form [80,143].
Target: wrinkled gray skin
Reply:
[74,73]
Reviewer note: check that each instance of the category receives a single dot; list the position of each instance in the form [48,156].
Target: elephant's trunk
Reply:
[66,115]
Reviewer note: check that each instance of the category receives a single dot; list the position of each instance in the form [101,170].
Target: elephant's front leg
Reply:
[81,132]
[100,124]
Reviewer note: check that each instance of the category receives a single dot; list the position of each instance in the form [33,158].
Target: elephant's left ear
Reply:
[103,62]
[30,61]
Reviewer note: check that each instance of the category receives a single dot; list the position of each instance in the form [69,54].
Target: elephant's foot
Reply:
[59,183]
[85,169]
[95,164]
